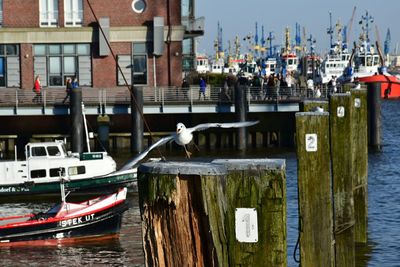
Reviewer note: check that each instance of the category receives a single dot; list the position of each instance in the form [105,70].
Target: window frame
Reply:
[48,15]
[58,79]
[140,52]
[73,18]
[4,54]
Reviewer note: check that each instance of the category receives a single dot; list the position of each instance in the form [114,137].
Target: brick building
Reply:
[57,39]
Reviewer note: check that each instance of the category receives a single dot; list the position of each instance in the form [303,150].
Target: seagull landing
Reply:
[184,136]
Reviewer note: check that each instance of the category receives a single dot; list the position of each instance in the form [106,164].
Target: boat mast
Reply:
[86,129]
[330,32]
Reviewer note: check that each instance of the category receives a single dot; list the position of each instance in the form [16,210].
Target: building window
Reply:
[57,62]
[48,13]
[139,63]
[9,65]
[73,12]
[133,66]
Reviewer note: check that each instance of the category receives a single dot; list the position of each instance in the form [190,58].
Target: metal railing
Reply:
[157,96]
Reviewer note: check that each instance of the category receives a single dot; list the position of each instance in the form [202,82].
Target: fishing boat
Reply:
[202,64]
[45,162]
[95,217]
[366,59]
[334,64]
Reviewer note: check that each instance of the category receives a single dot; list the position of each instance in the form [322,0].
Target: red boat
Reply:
[390,84]
[95,217]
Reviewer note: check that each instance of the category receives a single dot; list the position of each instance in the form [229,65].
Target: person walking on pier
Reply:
[75,83]
[202,90]
[68,89]
[37,89]
[185,89]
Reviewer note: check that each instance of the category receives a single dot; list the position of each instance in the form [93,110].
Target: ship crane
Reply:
[347,29]
[262,41]
[388,38]
[298,46]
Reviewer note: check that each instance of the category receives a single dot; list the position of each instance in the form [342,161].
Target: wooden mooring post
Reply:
[359,142]
[342,177]
[310,105]
[314,189]
[224,213]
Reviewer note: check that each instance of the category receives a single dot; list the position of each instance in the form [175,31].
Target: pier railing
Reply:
[157,96]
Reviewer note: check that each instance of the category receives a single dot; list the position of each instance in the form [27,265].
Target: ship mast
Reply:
[330,32]
[287,41]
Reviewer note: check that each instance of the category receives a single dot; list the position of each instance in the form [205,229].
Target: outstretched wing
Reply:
[205,126]
[135,160]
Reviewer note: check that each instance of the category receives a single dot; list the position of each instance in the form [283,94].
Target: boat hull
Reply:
[390,85]
[103,184]
[90,225]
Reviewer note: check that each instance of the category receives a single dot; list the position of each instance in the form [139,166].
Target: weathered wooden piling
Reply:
[136,119]
[342,177]
[258,184]
[374,116]
[359,142]
[77,144]
[314,189]
[311,105]
[202,214]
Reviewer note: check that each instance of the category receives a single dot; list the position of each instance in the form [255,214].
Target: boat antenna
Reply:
[85,124]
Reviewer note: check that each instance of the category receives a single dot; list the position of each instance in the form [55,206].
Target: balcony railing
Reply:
[161,96]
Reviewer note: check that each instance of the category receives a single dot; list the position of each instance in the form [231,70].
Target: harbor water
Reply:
[382,248]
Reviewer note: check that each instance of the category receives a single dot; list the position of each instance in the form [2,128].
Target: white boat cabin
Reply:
[334,65]
[46,161]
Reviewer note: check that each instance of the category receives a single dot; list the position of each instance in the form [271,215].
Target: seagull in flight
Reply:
[184,136]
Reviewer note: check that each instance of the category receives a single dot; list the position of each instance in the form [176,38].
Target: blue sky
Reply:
[239,18]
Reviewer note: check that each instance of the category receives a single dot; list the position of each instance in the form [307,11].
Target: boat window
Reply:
[38,173]
[290,61]
[369,61]
[56,172]
[53,151]
[75,170]
[39,151]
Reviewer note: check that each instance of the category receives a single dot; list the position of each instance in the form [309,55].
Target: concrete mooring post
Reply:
[225,213]
[76,120]
[342,177]
[314,189]
[359,142]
